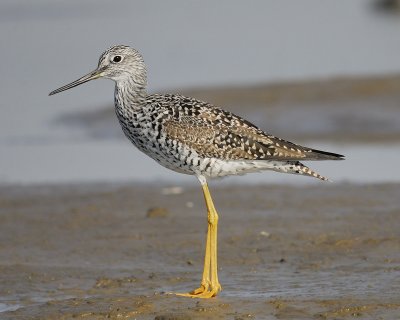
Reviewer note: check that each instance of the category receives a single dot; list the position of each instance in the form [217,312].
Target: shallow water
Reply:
[118,160]
[9,307]
[212,54]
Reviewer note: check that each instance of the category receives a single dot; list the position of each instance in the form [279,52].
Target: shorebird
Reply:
[194,137]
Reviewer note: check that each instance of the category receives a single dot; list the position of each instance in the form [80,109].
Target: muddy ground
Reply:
[326,251]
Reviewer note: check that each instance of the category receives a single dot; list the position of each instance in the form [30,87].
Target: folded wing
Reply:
[216,133]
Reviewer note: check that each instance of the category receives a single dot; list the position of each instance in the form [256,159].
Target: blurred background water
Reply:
[189,45]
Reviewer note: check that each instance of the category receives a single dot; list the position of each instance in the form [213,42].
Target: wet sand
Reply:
[327,251]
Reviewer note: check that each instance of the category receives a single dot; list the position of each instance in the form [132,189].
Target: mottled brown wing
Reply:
[206,140]
[216,133]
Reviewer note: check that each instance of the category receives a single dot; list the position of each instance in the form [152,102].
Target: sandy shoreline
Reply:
[329,251]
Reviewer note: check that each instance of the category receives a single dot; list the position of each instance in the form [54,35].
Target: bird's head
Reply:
[119,63]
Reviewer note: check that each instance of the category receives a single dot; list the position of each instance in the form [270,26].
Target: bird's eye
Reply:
[116,58]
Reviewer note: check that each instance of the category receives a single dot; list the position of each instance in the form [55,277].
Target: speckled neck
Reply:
[130,94]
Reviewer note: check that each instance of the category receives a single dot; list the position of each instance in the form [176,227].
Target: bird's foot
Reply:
[205,291]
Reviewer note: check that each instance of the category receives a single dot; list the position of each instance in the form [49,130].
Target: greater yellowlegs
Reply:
[194,137]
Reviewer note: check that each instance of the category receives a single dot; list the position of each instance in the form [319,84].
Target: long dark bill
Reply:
[90,76]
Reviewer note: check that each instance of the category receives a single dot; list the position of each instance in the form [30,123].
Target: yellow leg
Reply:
[210,285]
[205,280]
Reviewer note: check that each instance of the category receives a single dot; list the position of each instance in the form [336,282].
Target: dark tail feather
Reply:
[323,155]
